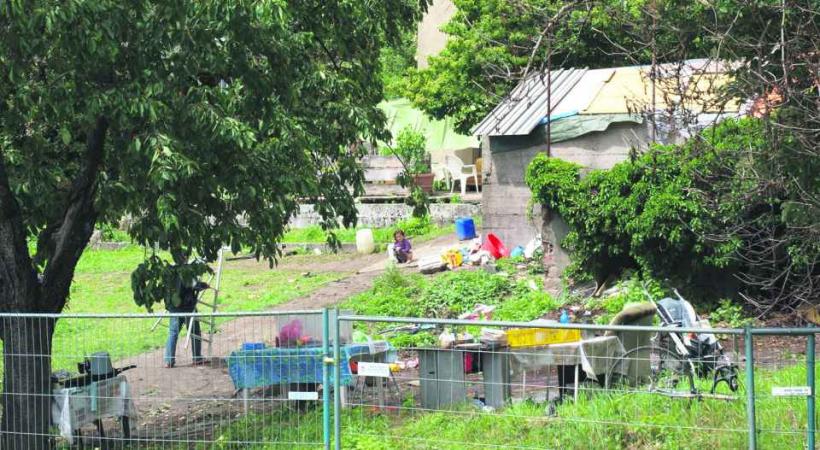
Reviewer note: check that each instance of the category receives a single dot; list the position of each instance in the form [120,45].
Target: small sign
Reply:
[791,391]
[381,370]
[297,395]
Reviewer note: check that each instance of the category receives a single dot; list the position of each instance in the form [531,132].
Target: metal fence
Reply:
[305,379]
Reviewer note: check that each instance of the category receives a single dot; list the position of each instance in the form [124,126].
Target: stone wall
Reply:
[378,215]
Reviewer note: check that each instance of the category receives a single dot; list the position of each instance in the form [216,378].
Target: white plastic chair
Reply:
[458,170]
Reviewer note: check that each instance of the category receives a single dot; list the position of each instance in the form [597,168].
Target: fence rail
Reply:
[299,379]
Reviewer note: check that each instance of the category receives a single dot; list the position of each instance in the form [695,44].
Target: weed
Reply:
[729,313]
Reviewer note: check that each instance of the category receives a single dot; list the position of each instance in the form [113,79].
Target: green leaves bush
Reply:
[697,214]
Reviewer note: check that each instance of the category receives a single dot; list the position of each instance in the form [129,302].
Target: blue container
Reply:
[253,346]
[465,228]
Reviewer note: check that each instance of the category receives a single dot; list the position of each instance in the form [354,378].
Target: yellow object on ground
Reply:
[530,337]
[452,258]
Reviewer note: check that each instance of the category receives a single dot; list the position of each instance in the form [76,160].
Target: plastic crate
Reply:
[530,337]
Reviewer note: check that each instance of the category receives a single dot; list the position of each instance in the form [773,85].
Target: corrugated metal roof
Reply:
[621,90]
[526,105]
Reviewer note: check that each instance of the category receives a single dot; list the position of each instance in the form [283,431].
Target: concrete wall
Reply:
[387,214]
[430,39]
[506,195]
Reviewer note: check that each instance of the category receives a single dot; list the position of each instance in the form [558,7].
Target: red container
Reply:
[495,247]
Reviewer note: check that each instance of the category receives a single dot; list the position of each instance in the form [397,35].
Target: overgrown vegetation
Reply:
[449,295]
[600,421]
[669,214]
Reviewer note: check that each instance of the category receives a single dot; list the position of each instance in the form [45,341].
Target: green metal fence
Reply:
[747,389]
[416,394]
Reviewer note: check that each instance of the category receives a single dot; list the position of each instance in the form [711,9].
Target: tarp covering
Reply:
[274,365]
[440,134]
[568,128]
[630,90]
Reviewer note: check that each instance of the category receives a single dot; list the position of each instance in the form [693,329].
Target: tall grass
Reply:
[631,420]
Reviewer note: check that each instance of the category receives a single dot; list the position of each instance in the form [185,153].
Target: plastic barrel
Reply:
[364,241]
[465,228]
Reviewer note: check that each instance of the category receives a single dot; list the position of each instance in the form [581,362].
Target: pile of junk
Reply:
[476,250]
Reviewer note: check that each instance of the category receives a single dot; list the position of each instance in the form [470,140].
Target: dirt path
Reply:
[195,396]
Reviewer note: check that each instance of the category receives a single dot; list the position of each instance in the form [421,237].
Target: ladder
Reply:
[216,278]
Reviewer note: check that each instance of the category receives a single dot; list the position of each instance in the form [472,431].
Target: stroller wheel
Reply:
[733,383]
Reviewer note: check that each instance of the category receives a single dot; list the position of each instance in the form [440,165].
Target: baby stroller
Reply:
[674,361]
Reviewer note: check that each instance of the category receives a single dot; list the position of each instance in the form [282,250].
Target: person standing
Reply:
[187,298]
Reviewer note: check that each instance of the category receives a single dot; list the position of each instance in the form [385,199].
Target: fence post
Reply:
[326,378]
[750,387]
[810,376]
[337,386]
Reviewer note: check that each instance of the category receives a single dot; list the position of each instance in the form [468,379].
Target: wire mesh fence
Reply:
[145,381]
[264,380]
[576,386]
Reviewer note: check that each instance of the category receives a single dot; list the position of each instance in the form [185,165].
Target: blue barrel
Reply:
[465,228]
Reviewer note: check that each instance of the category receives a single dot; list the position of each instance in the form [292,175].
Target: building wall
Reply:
[431,40]
[506,196]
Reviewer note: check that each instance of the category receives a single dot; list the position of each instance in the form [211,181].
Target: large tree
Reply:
[207,122]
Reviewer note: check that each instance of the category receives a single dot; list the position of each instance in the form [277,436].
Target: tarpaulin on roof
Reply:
[577,126]
[630,91]
[440,134]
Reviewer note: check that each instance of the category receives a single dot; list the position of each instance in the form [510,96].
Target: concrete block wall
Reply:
[506,197]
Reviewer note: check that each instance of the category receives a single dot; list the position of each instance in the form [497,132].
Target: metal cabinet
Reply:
[443,383]
[441,374]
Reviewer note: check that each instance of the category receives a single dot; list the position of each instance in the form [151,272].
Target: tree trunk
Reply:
[26,383]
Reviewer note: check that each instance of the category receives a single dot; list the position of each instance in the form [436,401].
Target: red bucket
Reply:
[495,247]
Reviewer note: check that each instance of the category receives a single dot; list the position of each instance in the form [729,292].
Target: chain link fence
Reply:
[314,379]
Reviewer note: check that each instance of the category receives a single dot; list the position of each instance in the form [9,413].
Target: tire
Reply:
[657,368]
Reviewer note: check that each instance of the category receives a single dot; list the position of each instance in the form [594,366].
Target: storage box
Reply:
[530,337]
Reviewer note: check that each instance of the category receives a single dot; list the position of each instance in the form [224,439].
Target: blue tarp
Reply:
[259,368]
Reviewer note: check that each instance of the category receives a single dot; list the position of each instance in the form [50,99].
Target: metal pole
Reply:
[750,387]
[326,379]
[337,385]
[810,376]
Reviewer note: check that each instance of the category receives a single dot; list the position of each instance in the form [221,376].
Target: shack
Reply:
[594,118]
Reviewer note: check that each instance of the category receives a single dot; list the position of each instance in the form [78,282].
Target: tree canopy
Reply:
[206,122]
[493,44]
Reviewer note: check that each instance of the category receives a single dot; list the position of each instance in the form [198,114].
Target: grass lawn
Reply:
[635,420]
[103,285]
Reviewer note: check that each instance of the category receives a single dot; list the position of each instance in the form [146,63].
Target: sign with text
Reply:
[297,395]
[791,391]
[381,370]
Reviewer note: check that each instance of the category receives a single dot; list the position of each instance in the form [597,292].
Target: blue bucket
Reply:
[253,346]
[465,228]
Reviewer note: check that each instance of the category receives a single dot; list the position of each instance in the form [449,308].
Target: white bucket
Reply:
[364,241]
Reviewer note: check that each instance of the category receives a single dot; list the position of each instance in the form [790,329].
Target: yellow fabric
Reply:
[629,90]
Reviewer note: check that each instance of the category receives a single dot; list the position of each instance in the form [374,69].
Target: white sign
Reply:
[791,391]
[367,369]
[296,395]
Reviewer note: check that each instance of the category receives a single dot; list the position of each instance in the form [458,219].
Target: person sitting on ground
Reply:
[185,301]
[401,247]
